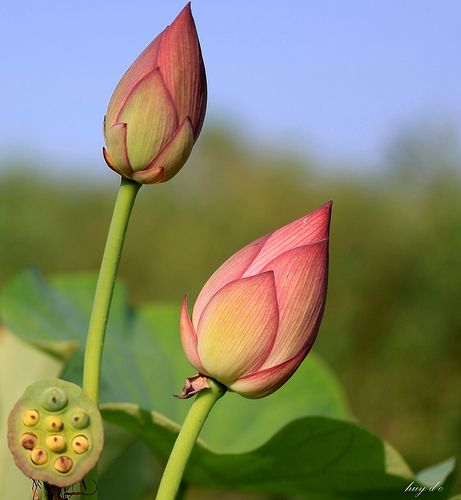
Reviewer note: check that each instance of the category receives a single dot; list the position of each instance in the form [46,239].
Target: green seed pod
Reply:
[57,452]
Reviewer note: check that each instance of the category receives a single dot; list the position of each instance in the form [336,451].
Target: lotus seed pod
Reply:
[67,436]
[30,418]
[53,423]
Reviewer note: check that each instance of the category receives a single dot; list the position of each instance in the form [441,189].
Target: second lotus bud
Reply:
[258,315]
[157,110]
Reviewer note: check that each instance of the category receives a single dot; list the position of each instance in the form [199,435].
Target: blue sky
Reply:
[335,77]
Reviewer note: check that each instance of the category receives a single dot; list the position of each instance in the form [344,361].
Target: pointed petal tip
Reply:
[311,228]
[186,11]
[184,16]
[319,220]
[326,208]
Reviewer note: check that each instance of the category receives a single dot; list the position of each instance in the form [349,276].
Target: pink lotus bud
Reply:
[156,112]
[258,315]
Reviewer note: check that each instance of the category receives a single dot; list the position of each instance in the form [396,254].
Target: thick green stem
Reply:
[103,298]
[199,411]
[105,287]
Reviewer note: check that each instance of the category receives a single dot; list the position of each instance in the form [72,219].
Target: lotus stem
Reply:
[190,430]
[105,287]
[103,295]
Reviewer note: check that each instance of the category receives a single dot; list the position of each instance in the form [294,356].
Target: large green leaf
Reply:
[127,468]
[144,362]
[314,457]
[322,457]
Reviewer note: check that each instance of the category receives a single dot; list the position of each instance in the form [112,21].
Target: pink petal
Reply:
[301,283]
[151,119]
[181,64]
[308,229]
[265,382]
[175,153]
[238,327]
[189,338]
[116,144]
[231,270]
[143,65]
[151,175]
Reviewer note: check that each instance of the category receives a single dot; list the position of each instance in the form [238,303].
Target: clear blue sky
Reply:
[341,77]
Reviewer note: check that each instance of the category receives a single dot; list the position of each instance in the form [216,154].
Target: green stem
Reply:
[105,287]
[198,413]
[103,298]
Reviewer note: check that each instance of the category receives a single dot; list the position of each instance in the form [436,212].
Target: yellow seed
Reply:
[53,423]
[56,443]
[39,456]
[30,418]
[80,444]
[63,464]
[28,441]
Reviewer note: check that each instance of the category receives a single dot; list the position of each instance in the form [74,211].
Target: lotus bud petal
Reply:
[157,110]
[257,317]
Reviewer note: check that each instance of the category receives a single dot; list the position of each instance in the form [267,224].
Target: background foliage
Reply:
[392,323]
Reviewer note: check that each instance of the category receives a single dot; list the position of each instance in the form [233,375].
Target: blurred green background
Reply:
[392,324]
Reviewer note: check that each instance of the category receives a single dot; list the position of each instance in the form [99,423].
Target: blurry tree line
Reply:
[392,323]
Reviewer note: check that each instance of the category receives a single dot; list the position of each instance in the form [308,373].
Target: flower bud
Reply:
[156,111]
[258,315]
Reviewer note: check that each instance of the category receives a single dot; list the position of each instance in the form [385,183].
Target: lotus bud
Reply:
[157,110]
[55,432]
[258,315]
